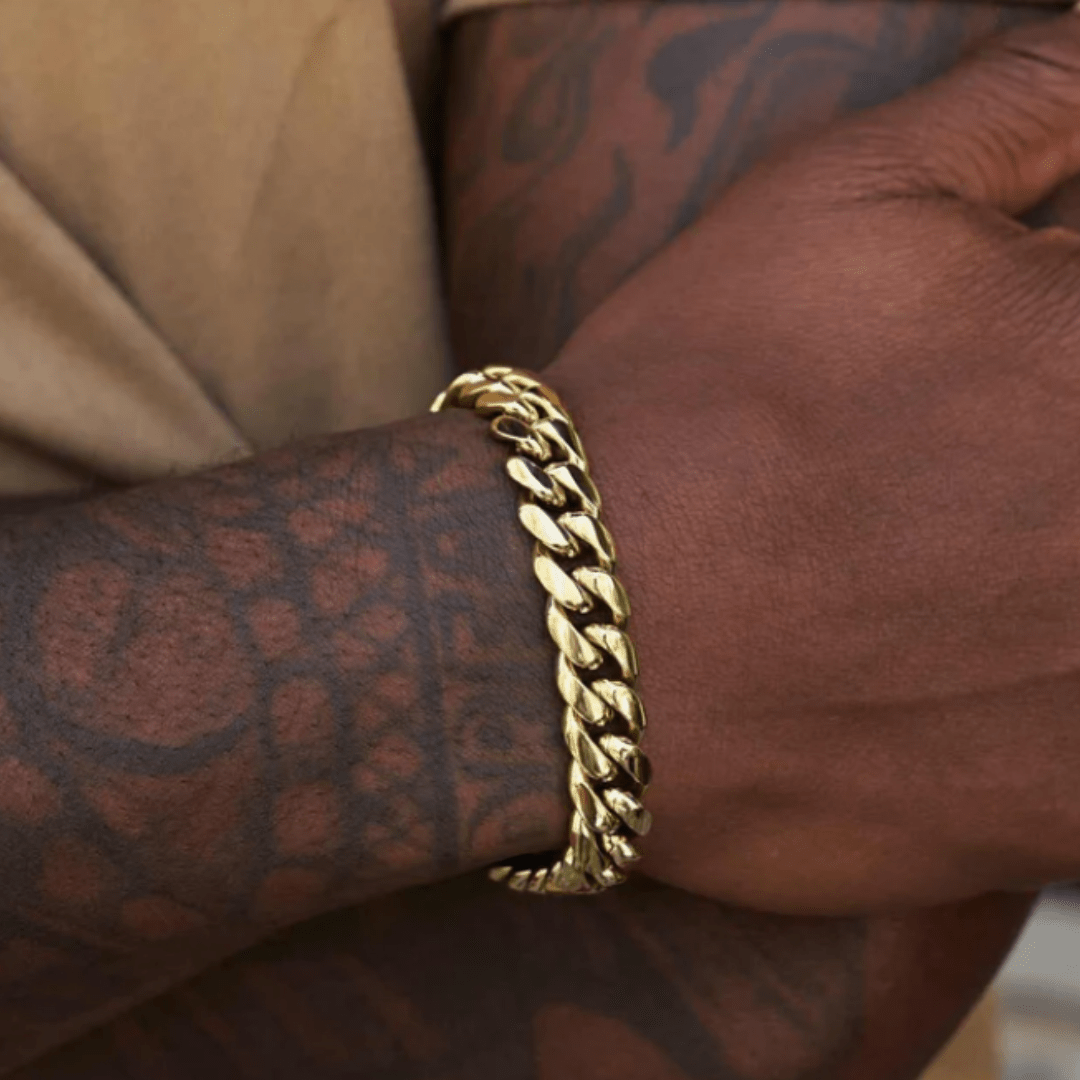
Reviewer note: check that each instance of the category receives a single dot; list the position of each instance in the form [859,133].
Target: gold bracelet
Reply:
[587,613]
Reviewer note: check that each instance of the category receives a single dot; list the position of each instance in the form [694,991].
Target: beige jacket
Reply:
[215,231]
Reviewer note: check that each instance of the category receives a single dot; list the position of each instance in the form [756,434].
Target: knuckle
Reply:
[1010,95]
[1034,59]
[864,159]
[1030,85]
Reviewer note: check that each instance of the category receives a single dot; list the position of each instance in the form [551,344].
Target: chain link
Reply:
[587,613]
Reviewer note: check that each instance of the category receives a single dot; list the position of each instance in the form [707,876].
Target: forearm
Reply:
[646,983]
[234,701]
[583,138]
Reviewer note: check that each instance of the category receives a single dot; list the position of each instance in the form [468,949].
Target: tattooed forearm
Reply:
[644,983]
[605,129]
[238,700]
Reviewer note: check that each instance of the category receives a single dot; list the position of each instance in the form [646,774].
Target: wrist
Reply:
[586,613]
[496,667]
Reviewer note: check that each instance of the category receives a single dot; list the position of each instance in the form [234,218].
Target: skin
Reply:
[645,981]
[840,442]
[237,700]
[584,141]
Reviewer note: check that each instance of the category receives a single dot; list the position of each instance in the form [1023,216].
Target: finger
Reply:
[1001,128]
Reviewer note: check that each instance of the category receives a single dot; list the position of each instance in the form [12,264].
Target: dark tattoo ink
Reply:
[691,96]
[679,67]
[231,702]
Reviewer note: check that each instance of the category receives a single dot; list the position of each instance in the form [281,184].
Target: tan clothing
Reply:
[974,1052]
[215,235]
[201,257]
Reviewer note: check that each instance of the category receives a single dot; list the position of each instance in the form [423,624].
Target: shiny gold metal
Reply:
[580,651]
[576,480]
[629,809]
[505,401]
[617,642]
[530,476]
[607,587]
[624,700]
[547,530]
[578,694]
[510,429]
[589,530]
[619,849]
[561,585]
[560,432]
[587,613]
[585,751]
[628,754]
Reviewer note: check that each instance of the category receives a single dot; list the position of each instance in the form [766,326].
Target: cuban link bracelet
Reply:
[587,613]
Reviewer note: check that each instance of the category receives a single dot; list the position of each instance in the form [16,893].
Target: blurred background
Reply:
[1038,994]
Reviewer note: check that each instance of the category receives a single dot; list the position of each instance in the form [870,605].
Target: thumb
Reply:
[1001,128]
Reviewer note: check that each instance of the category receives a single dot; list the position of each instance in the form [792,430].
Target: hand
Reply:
[836,425]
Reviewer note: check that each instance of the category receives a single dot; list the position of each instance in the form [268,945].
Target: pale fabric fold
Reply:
[81,375]
[219,238]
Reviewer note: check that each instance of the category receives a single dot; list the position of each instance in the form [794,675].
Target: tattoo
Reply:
[679,69]
[686,98]
[477,983]
[582,141]
[548,118]
[231,702]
